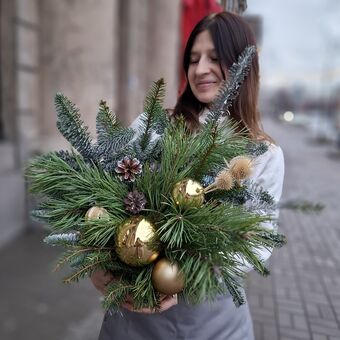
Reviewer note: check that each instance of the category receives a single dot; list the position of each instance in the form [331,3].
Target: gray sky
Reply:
[301,42]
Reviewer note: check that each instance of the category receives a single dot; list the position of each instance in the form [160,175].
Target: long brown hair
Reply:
[230,35]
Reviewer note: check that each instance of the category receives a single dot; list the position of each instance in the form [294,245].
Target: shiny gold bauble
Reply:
[133,242]
[95,213]
[166,277]
[188,192]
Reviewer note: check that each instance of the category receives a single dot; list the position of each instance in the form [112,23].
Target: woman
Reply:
[213,46]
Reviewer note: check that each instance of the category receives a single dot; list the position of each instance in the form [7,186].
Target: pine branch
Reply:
[117,292]
[216,144]
[71,126]
[92,262]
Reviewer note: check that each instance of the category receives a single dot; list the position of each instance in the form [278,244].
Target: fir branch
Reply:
[69,158]
[256,149]
[234,287]
[230,89]
[62,239]
[153,112]
[111,136]
[71,126]
[302,205]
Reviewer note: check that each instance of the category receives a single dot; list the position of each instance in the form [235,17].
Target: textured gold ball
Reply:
[95,213]
[133,242]
[167,278]
[187,192]
[240,167]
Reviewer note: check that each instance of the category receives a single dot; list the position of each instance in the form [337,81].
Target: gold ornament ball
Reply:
[188,191]
[133,242]
[95,213]
[166,277]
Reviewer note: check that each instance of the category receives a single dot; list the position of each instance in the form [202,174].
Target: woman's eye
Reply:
[214,59]
[193,61]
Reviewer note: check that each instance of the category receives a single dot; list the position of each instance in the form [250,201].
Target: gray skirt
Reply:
[220,320]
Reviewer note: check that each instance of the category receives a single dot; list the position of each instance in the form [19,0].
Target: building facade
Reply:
[87,49]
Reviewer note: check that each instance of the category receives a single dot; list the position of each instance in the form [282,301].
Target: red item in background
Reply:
[192,12]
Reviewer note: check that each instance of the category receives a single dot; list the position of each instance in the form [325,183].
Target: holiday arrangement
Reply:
[160,207]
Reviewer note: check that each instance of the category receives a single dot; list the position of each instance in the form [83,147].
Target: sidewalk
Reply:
[301,297]
[299,300]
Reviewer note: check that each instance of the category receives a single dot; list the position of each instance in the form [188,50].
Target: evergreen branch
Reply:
[208,152]
[111,136]
[68,256]
[302,205]
[153,112]
[71,126]
[82,272]
[100,232]
[234,287]
[230,89]
[117,292]
[92,262]
[62,239]
[143,293]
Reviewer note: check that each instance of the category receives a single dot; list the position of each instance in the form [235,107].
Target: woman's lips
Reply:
[206,85]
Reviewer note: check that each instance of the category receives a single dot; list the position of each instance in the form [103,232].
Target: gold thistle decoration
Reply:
[167,278]
[133,242]
[96,213]
[223,181]
[240,167]
[189,192]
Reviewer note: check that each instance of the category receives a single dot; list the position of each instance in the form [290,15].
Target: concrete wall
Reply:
[78,58]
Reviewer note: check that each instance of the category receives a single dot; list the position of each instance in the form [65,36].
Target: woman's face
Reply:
[204,74]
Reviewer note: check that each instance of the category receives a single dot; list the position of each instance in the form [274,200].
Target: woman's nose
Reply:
[203,66]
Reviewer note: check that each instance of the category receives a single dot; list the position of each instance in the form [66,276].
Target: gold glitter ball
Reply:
[95,213]
[188,192]
[133,242]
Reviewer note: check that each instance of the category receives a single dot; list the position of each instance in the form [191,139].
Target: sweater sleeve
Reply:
[268,173]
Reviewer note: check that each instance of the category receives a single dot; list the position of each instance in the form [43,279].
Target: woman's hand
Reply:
[167,301]
[101,279]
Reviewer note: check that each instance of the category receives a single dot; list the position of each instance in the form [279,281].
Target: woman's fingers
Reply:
[167,301]
[101,279]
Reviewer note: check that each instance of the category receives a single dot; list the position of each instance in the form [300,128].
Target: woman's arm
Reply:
[268,173]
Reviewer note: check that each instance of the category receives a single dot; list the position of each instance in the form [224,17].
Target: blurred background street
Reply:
[114,50]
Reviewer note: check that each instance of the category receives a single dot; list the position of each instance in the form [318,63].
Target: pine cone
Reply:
[135,202]
[128,168]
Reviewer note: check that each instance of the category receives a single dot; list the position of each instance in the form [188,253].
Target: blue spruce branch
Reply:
[72,127]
